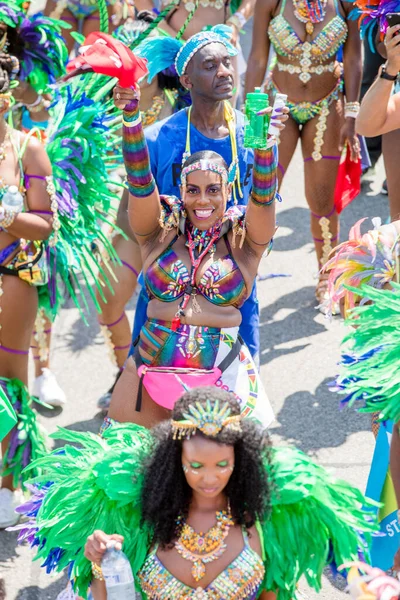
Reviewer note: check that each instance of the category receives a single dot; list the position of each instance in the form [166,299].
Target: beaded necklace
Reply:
[310,12]
[203,548]
[200,243]
[3,153]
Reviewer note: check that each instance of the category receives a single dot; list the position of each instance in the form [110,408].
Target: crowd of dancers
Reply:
[124,159]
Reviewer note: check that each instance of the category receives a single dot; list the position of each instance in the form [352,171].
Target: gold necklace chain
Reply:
[203,548]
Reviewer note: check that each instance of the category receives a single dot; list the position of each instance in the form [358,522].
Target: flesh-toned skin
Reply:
[209,69]
[320,176]
[209,467]
[19,300]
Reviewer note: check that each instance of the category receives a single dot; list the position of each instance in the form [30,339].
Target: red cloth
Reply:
[348,182]
[104,54]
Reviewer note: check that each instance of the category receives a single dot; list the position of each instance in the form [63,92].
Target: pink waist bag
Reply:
[166,384]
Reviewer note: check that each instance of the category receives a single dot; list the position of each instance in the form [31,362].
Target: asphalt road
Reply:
[299,352]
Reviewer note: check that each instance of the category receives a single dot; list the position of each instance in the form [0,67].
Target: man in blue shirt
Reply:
[209,78]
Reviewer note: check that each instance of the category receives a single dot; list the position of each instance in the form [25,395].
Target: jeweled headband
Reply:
[209,165]
[198,41]
[210,420]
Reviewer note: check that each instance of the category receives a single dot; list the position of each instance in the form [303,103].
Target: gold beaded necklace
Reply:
[151,115]
[203,548]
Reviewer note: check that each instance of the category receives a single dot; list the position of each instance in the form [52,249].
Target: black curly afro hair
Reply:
[166,494]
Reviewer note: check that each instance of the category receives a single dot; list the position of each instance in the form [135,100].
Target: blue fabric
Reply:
[166,141]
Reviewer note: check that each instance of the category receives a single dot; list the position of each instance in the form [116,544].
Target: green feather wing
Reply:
[316,519]
[369,368]
[94,486]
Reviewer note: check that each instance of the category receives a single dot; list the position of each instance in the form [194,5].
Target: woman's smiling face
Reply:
[205,197]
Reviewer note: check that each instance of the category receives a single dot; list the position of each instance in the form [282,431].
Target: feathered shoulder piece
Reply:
[43,55]
[372,12]
[370,258]
[95,486]
[369,376]
[81,146]
[316,520]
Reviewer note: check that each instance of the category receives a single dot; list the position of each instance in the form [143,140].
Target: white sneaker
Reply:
[8,503]
[46,388]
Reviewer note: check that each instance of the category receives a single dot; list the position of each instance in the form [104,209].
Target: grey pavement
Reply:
[299,352]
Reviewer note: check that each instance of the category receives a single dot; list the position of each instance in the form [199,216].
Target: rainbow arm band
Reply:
[136,155]
[264,177]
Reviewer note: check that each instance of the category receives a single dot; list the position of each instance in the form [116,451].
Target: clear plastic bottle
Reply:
[117,575]
[280,102]
[13,199]
[256,126]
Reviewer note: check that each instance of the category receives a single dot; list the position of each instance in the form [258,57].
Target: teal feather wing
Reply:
[316,519]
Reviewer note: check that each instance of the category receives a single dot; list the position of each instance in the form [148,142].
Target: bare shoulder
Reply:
[35,156]
[254,540]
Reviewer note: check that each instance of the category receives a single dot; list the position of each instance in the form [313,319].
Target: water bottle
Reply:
[117,574]
[256,126]
[280,102]
[13,199]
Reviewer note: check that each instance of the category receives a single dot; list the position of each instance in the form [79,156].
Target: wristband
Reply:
[385,75]
[351,110]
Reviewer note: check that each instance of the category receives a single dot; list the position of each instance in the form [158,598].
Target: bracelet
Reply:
[351,110]
[258,203]
[7,219]
[97,572]
[132,123]
[238,20]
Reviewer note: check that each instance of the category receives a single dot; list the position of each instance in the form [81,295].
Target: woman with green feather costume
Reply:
[271,515]
[68,210]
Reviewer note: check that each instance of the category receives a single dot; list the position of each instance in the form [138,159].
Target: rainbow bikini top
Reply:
[222,283]
[241,580]
[286,42]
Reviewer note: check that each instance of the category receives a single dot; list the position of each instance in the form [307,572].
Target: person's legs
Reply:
[320,180]
[390,151]
[52,10]
[17,317]
[45,387]
[123,401]
[113,319]
[287,147]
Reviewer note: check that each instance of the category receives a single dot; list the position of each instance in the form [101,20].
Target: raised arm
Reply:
[260,212]
[380,111]
[258,59]
[144,200]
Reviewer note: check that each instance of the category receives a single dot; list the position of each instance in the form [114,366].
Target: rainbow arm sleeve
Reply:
[136,155]
[264,177]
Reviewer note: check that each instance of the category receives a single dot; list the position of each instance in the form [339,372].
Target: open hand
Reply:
[97,544]
[126,98]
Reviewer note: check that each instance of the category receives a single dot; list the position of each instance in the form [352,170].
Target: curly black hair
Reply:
[166,495]
[7,63]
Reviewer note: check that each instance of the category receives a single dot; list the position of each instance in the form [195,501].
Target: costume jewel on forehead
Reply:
[204,165]
[208,419]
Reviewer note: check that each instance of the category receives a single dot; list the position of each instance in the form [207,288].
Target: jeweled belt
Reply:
[306,69]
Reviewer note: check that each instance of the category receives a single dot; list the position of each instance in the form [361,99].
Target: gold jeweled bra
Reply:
[241,580]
